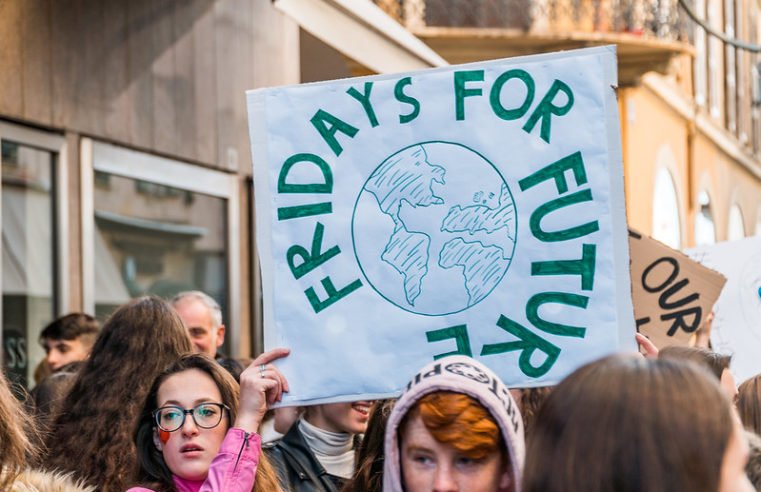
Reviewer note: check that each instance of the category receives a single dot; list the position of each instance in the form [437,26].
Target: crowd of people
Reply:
[146,403]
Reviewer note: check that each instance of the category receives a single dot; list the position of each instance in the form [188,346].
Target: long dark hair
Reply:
[152,470]
[631,424]
[368,474]
[92,434]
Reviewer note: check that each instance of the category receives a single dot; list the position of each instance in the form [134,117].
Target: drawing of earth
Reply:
[434,228]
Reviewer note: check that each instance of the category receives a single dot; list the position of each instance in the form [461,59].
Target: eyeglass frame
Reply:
[186,412]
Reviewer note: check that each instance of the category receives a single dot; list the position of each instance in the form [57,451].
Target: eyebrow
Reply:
[176,403]
[416,448]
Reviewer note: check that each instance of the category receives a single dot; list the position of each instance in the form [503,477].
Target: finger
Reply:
[269,356]
[273,391]
[651,351]
[280,377]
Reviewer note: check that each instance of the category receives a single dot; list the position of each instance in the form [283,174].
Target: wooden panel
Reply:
[244,76]
[164,119]
[183,80]
[116,100]
[140,80]
[36,33]
[89,97]
[11,54]
[66,33]
[228,59]
[205,87]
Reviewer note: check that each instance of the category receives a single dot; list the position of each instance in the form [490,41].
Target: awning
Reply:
[27,242]
[109,284]
[362,31]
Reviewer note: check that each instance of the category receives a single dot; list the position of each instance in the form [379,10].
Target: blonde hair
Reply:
[16,429]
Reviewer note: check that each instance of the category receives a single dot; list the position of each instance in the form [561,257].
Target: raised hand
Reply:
[261,384]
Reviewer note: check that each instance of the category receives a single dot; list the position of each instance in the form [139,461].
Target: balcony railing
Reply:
[660,19]
[648,33]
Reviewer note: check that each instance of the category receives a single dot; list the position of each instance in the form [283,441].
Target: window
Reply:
[31,280]
[159,226]
[735,227]
[705,232]
[666,227]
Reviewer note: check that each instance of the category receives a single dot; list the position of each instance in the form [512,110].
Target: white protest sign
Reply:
[737,313]
[473,209]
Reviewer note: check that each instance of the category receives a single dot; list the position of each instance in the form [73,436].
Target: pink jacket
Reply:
[232,470]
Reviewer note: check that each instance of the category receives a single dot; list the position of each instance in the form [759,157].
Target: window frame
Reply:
[55,143]
[104,157]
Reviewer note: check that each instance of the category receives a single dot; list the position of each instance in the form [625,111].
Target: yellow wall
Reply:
[656,135]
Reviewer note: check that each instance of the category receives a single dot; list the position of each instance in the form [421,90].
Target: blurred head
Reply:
[449,441]
[749,403]
[628,423]
[92,435]
[187,452]
[718,364]
[69,339]
[203,318]
[346,418]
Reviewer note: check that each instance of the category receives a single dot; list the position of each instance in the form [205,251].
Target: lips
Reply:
[190,448]
[363,407]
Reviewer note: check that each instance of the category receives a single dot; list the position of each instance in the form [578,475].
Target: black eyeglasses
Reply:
[205,415]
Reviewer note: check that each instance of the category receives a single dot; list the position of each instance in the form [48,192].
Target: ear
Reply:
[157,441]
[220,335]
[506,482]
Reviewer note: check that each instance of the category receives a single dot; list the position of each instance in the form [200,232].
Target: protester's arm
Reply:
[234,467]
[703,334]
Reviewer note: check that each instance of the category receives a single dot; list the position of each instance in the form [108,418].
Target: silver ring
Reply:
[262,368]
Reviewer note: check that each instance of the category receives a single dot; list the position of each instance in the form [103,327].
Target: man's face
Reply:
[61,352]
[196,316]
[431,466]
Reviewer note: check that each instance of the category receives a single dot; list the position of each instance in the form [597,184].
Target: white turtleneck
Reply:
[334,451]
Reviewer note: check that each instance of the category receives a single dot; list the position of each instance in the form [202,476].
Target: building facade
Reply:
[126,167]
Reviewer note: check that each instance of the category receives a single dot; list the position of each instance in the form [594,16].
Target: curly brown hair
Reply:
[92,435]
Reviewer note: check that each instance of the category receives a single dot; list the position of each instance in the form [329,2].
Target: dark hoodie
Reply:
[464,375]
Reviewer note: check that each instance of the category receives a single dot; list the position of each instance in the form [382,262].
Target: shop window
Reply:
[30,295]
[159,227]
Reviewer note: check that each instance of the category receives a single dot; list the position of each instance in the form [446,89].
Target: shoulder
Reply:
[45,480]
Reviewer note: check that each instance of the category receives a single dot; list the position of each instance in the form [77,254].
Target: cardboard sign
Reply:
[473,209]
[672,294]
[737,313]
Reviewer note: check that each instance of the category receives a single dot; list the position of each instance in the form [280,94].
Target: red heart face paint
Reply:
[164,435]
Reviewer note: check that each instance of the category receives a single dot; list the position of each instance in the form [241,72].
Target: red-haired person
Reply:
[455,428]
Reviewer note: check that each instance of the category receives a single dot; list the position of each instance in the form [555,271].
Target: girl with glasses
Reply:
[196,432]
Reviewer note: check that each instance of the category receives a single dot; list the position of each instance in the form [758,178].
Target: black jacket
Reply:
[297,467]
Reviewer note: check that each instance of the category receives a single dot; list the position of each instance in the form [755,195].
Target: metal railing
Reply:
[662,19]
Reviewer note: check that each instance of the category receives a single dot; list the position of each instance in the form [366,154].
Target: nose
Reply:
[53,359]
[444,480]
[189,427]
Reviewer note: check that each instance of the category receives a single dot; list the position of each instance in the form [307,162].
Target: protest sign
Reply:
[474,209]
[672,294]
[737,312]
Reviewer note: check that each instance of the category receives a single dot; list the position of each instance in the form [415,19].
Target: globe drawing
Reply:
[434,228]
